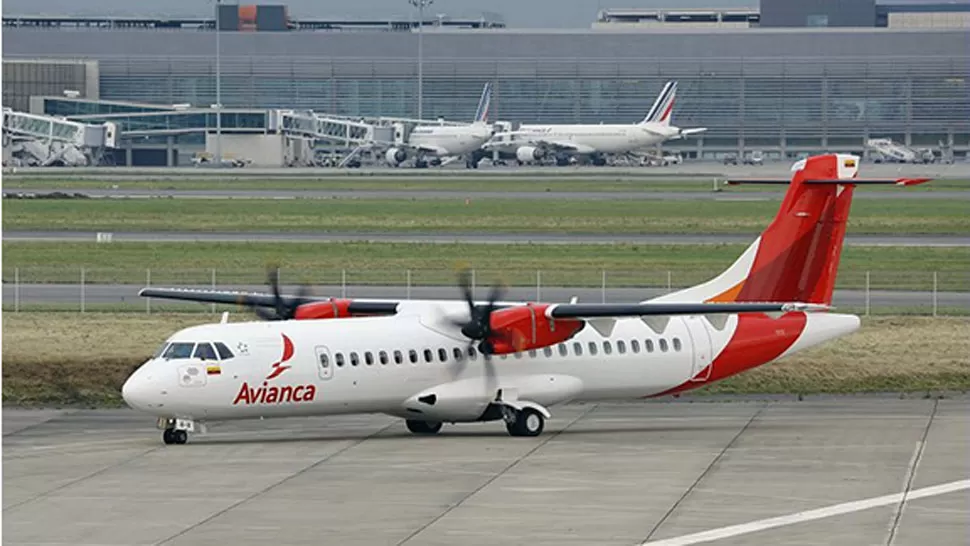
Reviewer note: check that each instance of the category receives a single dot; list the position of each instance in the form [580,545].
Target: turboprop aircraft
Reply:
[431,362]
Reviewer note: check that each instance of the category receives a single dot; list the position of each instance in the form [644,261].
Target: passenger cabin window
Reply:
[398,357]
[563,350]
[592,348]
[677,344]
[354,359]
[635,346]
[442,355]
[427,355]
[578,348]
[457,352]
[663,345]
[340,360]
[224,352]
[368,358]
[607,348]
[547,351]
[648,344]
[383,356]
[472,353]
[324,360]
[178,351]
[413,355]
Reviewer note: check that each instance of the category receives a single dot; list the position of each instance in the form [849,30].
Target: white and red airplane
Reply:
[457,361]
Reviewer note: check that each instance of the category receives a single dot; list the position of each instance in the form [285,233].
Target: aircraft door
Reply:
[702,348]
[324,362]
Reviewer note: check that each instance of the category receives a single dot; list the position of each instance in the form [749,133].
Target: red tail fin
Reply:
[797,257]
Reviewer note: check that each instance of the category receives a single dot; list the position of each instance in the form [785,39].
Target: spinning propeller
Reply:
[478,327]
[283,309]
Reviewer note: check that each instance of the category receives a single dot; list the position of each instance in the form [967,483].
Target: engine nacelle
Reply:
[529,153]
[332,308]
[395,156]
[527,327]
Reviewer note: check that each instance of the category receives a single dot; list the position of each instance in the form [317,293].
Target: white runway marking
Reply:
[809,515]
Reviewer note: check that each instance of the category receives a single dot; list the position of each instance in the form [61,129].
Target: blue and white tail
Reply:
[481,114]
[662,108]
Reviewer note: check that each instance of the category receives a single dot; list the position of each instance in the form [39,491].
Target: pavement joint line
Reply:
[497,475]
[83,478]
[44,422]
[809,515]
[273,485]
[706,471]
[910,476]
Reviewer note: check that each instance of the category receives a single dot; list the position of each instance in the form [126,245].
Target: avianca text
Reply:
[266,394]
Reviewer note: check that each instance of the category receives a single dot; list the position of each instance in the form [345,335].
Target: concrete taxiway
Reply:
[27,295]
[828,470]
[469,237]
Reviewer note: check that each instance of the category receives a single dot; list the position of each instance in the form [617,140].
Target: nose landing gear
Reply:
[176,431]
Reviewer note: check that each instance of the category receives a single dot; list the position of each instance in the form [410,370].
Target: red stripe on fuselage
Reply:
[758,339]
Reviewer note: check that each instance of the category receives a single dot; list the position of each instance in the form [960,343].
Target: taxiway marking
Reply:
[810,515]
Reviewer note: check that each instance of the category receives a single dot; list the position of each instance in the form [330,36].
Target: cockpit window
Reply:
[178,350]
[160,350]
[224,352]
[204,351]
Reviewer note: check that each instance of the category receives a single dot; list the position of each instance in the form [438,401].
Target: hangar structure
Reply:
[783,90]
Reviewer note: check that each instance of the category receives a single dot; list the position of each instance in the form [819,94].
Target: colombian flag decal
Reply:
[213,370]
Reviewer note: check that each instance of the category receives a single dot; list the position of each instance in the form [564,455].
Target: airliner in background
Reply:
[531,143]
[431,362]
[436,144]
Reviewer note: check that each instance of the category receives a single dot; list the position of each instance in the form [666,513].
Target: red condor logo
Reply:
[272,394]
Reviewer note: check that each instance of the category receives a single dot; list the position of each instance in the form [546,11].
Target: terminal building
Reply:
[786,79]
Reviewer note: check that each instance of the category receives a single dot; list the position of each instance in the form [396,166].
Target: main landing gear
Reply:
[524,422]
[171,436]
[423,427]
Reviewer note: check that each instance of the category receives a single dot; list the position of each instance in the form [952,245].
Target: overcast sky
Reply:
[516,13]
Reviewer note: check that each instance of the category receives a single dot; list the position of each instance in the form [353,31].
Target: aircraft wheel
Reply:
[528,422]
[168,437]
[423,427]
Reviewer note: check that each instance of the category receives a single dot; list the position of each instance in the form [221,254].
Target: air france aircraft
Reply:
[534,142]
[443,141]
[431,362]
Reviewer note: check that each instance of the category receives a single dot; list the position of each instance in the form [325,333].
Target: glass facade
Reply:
[754,102]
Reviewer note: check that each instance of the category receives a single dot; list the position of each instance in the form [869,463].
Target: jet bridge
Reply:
[40,140]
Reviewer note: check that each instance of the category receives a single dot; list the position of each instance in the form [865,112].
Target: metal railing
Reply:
[116,289]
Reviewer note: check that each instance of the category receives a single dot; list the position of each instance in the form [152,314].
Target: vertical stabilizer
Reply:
[796,258]
[662,108]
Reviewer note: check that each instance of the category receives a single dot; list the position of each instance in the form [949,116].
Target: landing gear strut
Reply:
[524,422]
[423,427]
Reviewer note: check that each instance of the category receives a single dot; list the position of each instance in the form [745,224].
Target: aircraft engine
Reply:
[529,153]
[395,156]
[525,328]
[334,308]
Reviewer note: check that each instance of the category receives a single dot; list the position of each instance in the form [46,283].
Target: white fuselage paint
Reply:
[157,386]
[450,140]
[589,138]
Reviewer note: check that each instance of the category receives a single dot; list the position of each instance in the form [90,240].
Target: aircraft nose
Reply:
[137,391]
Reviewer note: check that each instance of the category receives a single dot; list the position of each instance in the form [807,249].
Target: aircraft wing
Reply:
[620,310]
[436,150]
[256,299]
